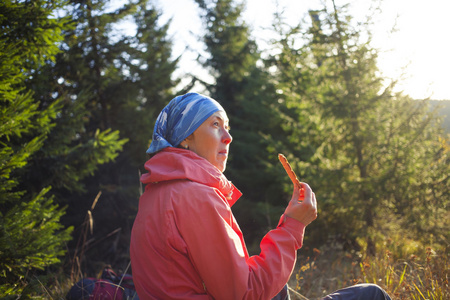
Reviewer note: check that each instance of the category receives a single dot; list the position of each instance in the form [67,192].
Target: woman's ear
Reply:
[185,143]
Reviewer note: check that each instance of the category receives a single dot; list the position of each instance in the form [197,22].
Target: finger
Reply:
[315,206]
[295,197]
[314,201]
[307,192]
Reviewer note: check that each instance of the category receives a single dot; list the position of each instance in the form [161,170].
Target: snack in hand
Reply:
[289,170]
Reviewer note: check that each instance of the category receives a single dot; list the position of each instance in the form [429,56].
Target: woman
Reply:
[185,241]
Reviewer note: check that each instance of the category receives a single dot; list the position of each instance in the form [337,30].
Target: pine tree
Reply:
[81,141]
[143,86]
[368,145]
[112,87]
[31,236]
[243,87]
[146,83]
[301,128]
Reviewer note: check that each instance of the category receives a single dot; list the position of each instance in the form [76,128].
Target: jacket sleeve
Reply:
[217,250]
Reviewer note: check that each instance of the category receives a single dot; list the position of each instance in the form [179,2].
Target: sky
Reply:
[417,54]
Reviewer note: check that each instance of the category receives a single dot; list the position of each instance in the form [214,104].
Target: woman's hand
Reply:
[303,204]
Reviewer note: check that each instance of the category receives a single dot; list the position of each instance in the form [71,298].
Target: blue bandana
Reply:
[180,118]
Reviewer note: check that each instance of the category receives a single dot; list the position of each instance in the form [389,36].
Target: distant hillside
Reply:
[444,110]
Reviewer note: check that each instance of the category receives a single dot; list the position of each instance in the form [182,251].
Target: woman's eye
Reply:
[219,124]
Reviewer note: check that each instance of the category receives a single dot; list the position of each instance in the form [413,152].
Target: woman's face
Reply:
[212,139]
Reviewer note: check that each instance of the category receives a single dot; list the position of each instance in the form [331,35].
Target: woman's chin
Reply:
[221,167]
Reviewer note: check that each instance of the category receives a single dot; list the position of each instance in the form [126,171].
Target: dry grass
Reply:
[424,275]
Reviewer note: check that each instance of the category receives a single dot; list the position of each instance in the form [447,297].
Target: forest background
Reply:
[78,103]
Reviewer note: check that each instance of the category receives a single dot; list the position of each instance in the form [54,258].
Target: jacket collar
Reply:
[180,164]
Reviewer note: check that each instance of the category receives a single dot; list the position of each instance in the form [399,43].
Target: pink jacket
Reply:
[186,244]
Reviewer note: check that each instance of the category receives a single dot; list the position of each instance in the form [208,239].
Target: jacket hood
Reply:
[180,164]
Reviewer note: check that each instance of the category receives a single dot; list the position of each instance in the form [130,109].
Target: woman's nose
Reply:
[227,138]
